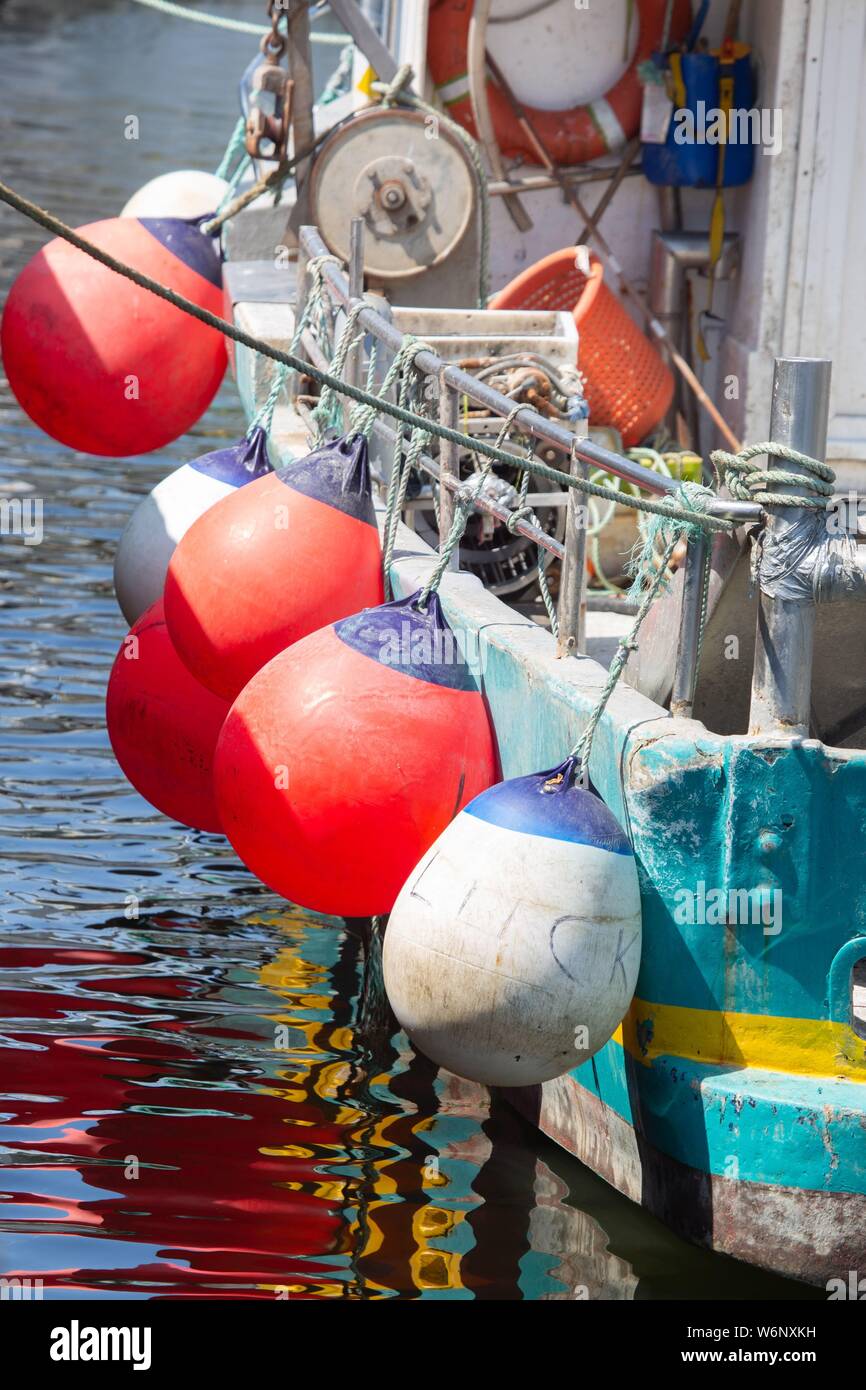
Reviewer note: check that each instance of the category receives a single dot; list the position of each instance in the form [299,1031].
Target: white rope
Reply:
[237,26]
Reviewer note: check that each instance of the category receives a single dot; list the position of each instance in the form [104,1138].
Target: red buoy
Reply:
[348,754]
[278,559]
[101,364]
[164,725]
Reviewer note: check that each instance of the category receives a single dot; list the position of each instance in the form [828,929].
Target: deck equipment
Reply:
[626,381]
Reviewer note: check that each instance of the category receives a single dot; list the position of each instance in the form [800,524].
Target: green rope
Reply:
[234,149]
[656,463]
[658,530]
[233,184]
[651,576]
[235,159]
[326,414]
[53,224]
[523,512]
[625,647]
[394,92]
[705,602]
[237,26]
[264,417]
[401,467]
[416,446]
[464,499]
[365,416]
[749,483]
[341,78]
[371,366]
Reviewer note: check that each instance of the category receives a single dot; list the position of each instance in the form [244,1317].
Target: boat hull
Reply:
[807,1234]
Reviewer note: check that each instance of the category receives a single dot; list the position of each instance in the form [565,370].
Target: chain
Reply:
[275,42]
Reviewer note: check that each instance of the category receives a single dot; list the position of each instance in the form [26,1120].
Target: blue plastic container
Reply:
[694,164]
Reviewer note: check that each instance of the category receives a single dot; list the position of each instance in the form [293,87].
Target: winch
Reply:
[413,183]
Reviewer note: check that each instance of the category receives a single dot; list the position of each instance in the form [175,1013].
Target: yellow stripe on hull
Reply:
[805,1046]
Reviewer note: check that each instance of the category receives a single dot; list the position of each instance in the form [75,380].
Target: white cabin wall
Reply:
[779,30]
[824,309]
[803,284]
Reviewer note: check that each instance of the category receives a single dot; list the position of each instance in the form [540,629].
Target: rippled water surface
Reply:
[197,1096]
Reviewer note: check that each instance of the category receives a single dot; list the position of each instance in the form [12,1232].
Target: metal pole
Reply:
[302,289]
[686,670]
[356,290]
[449,463]
[537,183]
[782,676]
[571,611]
[358,26]
[303,129]
[628,156]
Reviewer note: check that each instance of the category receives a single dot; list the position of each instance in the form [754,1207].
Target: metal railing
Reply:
[454,382]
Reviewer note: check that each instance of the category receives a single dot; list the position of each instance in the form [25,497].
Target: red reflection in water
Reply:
[216,1193]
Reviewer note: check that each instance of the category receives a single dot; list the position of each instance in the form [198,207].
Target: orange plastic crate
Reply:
[628,385]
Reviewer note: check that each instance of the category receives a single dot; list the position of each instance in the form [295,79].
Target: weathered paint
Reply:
[732,1103]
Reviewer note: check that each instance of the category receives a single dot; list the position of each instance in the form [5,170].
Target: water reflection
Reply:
[194,1112]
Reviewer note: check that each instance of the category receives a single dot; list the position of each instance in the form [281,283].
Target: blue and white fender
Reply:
[512,952]
[166,514]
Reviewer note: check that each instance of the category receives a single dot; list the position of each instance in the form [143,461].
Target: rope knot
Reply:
[520,514]
[316,264]
[747,482]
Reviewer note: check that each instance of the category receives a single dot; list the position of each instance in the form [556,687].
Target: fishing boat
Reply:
[434,250]
[730,1101]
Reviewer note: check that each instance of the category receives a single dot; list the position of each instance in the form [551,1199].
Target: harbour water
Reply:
[197,1096]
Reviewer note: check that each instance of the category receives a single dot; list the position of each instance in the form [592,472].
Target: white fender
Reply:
[166,514]
[185,193]
[512,952]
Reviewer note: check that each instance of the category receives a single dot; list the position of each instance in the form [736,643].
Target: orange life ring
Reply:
[571,137]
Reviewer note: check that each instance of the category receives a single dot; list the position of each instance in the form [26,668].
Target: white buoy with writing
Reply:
[187,193]
[166,514]
[512,952]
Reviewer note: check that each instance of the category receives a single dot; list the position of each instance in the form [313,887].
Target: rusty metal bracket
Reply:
[267,130]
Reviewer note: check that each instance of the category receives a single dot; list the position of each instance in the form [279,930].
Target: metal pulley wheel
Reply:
[410,180]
